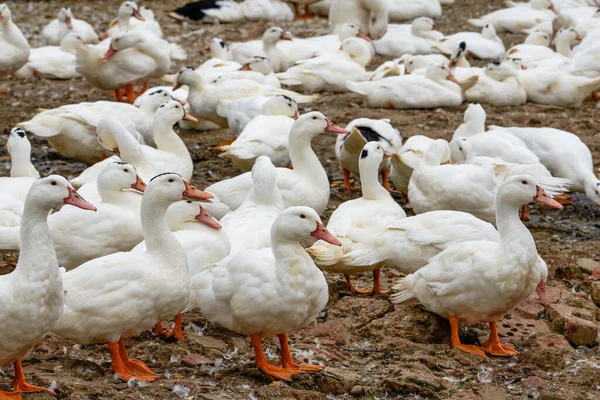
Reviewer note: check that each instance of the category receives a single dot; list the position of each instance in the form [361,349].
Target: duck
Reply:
[587,25]
[498,85]
[555,87]
[171,153]
[329,73]
[284,271]
[585,62]
[437,88]
[531,55]
[33,293]
[515,19]
[328,43]
[550,28]
[55,31]
[132,56]
[249,226]
[407,64]
[371,16]
[158,296]
[240,112]
[410,155]
[194,10]
[54,62]
[421,39]
[447,285]
[537,42]
[15,48]
[564,154]
[204,243]
[349,147]
[386,70]
[19,148]
[250,10]
[359,222]
[258,69]
[204,100]
[486,45]
[142,20]
[307,184]
[71,129]
[264,135]
[126,11]
[406,10]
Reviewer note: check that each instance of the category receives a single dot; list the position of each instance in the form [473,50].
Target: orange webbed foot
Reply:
[176,333]
[354,290]
[500,350]
[284,374]
[479,351]
[10,396]
[140,370]
[288,361]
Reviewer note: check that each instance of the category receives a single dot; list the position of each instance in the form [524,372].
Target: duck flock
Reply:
[136,244]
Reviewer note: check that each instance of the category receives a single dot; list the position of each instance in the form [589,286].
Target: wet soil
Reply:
[373,349]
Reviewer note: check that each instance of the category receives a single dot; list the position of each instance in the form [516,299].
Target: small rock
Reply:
[209,342]
[192,360]
[416,379]
[578,331]
[595,292]
[587,265]
[534,382]
[548,395]
[333,329]
[336,381]
[548,351]
[357,391]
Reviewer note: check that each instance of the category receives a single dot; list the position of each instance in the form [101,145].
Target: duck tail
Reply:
[592,86]
[357,87]
[403,290]
[477,22]
[176,52]
[168,78]
[510,3]
[10,238]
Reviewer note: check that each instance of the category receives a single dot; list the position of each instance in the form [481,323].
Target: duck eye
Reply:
[189,202]
[53,183]
[315,118]
[524,182]
[177,107]
[126,170]
[171,180]
[460,148]
[302,216]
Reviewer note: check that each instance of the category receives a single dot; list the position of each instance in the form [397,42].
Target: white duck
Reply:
[249,226]
[484,45]
[410,155]
[328,43]
[585,62]
[264,135]
[204,100]
[15,49]
[437,88]
[126,11]
[307,184]
[349,147]
[287,293]
[534,54]
[258,69]
[240,112]
[457,284]
[56,30]
[564,154]
[406,10]
[32,299]
[421,39]
[131,21]
[498,85]
[267,47]
[171,154]
[358,223]
[71,129]
[515,19]
[220,57]
[54,62]
[19,148]
[154,284]
[370,15]
[329,73]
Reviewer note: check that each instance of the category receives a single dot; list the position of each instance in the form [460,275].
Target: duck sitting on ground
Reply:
[65,24]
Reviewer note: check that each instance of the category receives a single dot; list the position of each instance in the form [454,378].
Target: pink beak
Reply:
[103,36]
[363,36]
[191,193]
[205,218]
[387,154]
[68,23]
[286,36]
[543,198]
[579,38]
[111,52]
[451,78]
[553,9]
[322,233]
[296,115]
[76,200]
[189,117]
[333,128]
[136,14]
[245,67]
[542,294]
[139,184]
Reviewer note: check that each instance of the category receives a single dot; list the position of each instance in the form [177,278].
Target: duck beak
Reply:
[103,36]
[207,47]
[183,102]
[452,78]
[286,36]
[189,117]
[117,151]
[543,198]
[68,23]
[139,184]
[76,200]
[245,67]
[322,233]
[333,128]
[177,85]
[542,294]
[452,63]
[523,68]
[362,35]
[207,219]
[111,52]
[296,115]
[136,14]
[553,9]
[191,193]
[579,38]
[387,154]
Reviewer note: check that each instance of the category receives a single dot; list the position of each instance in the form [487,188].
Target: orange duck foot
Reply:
[456,344]
[177,332]
[493,345]
[10,396]
[347,183]
[224,143]
[144,88]
[285,374]
[386,184]
[375,291]
[596,95]
[288,362]
[305,16]
[564,199]
[354,290]
[135,367]
[20,385]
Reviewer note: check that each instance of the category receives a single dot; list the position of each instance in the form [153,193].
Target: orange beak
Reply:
[136,14]
[245,67]
[452,63]
[543,198]
[189,117]
[451,78]
[117,151]
[139,184]
[286,36]
[177,85]
[68,23]
[333,128]
[387,154]
[579,38]
[76,200]
[191,193]
[183,102]
[322,233]
[207,219]
[207,47]
[111,52]
[103,36]
[542,294]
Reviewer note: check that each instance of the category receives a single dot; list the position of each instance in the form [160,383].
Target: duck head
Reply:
[275,34]
[559,22]
[421,25]
[218,48]
[440,72]
[460,149]
[52,191]
[357,51]
[281,105]
[538,38]
[188,76]
[352,30]
[592,188]
[5,14]
[122,41]
[523,189]
[152,99]
[185,211]
[500,71]
[372,154]
[543,5]
[259,64]
[489,32]
[313,124]
[296,223]
[170,187]
[171,112]
[129,9]
[17,142]
[66,17]
[458,58]
[118,177]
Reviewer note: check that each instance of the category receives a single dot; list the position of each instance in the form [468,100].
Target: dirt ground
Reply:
[373,349]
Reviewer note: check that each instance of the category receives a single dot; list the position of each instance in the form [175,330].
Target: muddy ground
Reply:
[373,349]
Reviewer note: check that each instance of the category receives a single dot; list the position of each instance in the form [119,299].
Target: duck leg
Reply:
[524,214]
[20,385]
[288,362]
[596,95]
[564,199]
[119,96]
[377,283]
[494,347]
[347,183]
[177,332]
[118,367]
[285,374]
[224,143]
[144,88]
[306,15]
[456,344]
[10,396]
[130,92]
[137,367]
[385,174]
[354,290]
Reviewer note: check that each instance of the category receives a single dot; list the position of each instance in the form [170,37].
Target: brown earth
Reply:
[373,349]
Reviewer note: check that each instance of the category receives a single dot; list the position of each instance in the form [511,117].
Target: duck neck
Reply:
[563,46]
[371,188]
[123,21]
[13,34]
[21,166]
[166,139]
[116,196]
[291,261]
[37,259]
[130,150]
[514,236]
[303,158]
